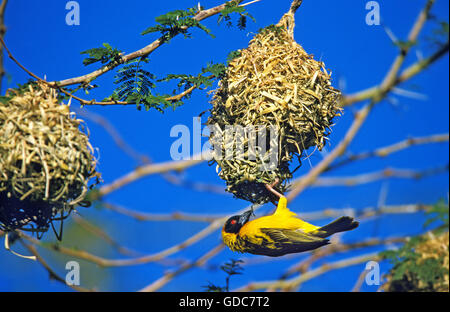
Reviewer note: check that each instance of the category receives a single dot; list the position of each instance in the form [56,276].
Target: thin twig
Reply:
[393,148]
[143,159]
[378,175]
[167,277]
[360,117]
[406,74]
[95,230]
[304,265]
[150,169]
[359,281]
[51,272]
[297,281]
[312,175]
[142,216]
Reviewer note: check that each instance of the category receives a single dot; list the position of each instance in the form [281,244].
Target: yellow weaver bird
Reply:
[280,233]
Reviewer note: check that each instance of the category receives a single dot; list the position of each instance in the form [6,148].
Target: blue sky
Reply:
[335,32]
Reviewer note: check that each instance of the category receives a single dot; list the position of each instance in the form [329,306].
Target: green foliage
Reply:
[4,99]
[405,44]
[420,264]
[176,22]
[398,257]
[233,7]
[187,81]
[439,36]
[135,86]
[411,271]
[105,54]
[202,80]
[443,29]
[217,70]
[233,267]
[132,78]
[20,89]
[271,28]
[232,55]
[439,213]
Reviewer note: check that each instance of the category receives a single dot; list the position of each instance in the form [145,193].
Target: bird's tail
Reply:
[339,225]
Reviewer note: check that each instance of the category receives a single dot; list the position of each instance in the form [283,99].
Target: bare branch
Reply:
[311,176]
[166,278]
[142,216]
[95,230]
[51,272]
[378,175]
[385,86]
[406,74]
[393,148]
[297,281]
[150,169]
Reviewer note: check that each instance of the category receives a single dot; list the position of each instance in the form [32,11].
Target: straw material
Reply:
[273,82]
[433,247]
[46,159]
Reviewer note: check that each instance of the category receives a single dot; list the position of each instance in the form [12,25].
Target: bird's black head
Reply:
[235,223]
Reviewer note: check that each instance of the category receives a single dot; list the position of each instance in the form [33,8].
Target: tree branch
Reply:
[406,74]
[393,148]
[147,50]
[385,86]
[378,175]
[297,281]
[51,272]
[167,277]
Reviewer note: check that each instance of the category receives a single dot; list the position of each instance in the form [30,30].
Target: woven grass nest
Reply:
[433,247]
[273,82]
[46,160]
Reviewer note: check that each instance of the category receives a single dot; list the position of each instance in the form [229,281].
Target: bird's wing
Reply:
[291,236]
[286,241]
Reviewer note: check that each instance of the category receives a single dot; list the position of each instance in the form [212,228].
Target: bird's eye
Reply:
[233,222]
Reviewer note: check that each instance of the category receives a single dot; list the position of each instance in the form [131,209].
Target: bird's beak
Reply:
[245,217]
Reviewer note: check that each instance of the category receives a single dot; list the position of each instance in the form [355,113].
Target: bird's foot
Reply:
[270,188]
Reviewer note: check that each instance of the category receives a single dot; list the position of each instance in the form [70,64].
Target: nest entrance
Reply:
[272,83]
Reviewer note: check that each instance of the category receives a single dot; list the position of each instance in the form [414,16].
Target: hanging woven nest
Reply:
[430,256]
[272,83]
[46,160]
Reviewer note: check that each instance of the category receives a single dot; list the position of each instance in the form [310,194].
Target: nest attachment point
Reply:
[272,83]
[46,160]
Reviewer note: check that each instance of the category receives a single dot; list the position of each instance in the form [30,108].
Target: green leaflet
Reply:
[176,22]
[105,54]
[233,7]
